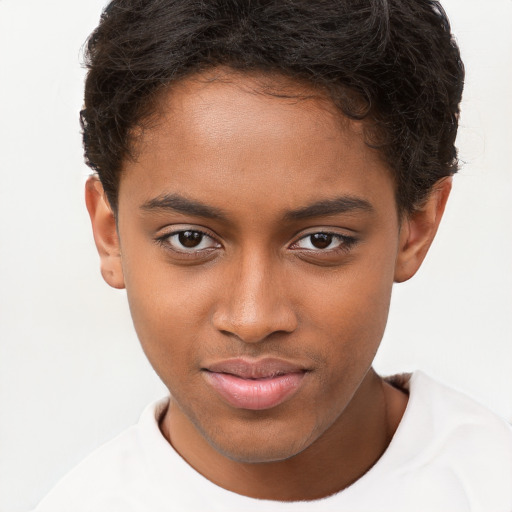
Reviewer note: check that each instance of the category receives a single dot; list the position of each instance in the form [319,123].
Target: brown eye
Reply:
[321,240]
[190,239]
[324,242]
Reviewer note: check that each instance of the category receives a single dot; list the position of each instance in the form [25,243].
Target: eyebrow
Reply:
[326,207]
[183,205]
[338,205]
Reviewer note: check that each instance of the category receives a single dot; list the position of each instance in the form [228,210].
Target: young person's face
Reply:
[259,241]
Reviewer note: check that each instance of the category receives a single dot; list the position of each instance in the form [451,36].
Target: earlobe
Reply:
[105,232]
[419,229]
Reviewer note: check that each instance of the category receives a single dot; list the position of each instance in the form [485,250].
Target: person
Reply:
[265,172]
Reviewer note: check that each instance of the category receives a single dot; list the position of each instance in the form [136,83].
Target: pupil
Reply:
[190,238]
[321,240]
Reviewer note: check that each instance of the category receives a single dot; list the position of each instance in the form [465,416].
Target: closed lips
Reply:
[254,385]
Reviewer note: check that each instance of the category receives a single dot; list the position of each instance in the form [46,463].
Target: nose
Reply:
[256,303]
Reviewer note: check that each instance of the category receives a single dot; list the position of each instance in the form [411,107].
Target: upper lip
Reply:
[255,369]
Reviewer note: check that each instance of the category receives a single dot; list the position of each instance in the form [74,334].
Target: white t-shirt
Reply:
[449,454]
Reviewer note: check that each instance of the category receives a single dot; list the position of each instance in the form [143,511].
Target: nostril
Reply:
[255,330]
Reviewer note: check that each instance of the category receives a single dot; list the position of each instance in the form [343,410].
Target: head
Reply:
[267,170]
[392,63]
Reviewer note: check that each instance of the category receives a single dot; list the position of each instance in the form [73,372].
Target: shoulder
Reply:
[450,412]
[102,480]
[451,441]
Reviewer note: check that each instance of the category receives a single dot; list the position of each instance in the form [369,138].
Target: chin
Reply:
[256,454]
[255,445]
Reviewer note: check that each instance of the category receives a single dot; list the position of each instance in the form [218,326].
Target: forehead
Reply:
[252,140]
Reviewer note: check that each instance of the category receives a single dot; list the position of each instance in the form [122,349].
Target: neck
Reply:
[344,453]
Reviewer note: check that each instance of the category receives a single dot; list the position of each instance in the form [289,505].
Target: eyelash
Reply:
[164,241]
[345,243]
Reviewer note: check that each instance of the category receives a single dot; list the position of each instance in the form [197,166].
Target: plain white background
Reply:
[71,372]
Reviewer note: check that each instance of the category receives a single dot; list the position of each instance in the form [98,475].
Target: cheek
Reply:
[168,311]
[348,313]
[349,332]
[352,303]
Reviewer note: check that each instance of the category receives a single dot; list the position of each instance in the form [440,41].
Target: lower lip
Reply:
[255,394]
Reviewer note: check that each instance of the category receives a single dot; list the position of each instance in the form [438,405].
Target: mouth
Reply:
[254,385]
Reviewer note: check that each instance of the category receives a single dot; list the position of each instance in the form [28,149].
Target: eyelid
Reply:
[174,229]
[346,234]
[346,241]
[166,233]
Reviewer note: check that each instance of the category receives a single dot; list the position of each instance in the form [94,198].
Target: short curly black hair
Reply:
[393,62]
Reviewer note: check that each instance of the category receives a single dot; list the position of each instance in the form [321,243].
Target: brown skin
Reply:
[257,286]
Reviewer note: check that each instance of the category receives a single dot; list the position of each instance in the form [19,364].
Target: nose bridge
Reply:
[256,304]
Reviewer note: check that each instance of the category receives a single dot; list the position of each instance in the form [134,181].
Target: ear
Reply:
[105,232]
[418,230]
